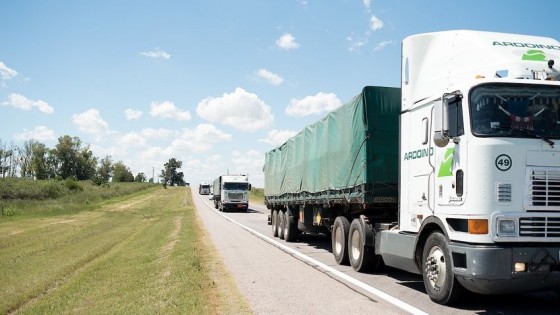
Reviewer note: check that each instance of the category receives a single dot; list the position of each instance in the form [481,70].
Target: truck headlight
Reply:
[507,227]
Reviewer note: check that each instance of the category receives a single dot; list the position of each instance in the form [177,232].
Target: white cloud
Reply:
[132,114]
[157,53]
[249,163]
[272,78]
[375,23]
[21,102]
[160,133]
[355,43]
[239,109]
[168,110]
[6,74]
[313,104]
[131,139]
[194,140]
[287,41]
[39,133]
[383,44]
[200,139]
[91,123]
[277,137]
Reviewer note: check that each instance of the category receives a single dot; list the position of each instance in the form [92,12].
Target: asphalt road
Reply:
[303,278]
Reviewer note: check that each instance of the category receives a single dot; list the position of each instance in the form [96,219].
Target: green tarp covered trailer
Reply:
[349,156]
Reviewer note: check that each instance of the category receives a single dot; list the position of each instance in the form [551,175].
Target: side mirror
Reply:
[441,125]
[249,186]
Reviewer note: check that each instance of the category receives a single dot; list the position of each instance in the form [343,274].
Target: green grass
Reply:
[144,253]
[24,198]
[257,195]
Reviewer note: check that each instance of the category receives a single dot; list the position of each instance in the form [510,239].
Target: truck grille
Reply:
[235,196]
[539,227]
[543,189]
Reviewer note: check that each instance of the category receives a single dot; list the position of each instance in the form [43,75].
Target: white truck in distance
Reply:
[204,189]
[475,201]
[231,192]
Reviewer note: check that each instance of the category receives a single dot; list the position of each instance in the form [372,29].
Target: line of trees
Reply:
[70,158]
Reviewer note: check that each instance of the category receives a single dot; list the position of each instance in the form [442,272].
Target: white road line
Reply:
[342,276]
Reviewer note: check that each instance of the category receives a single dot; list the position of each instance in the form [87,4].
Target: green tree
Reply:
[121,173]
[104,171]
[39,161]
[74,160]
[170,173]
[140,178]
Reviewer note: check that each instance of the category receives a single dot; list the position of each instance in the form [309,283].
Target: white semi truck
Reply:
[231,192]
[454,176]
[204,189]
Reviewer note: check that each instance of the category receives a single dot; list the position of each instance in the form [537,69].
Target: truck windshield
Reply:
[236,186]
[515,110]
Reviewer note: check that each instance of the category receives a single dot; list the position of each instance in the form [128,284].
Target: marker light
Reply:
[478,226]
[507,227]
[519,267]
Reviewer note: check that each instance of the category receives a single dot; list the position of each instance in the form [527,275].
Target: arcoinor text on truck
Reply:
[454,176]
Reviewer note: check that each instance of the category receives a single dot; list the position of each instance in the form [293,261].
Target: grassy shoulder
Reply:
[145,253]
[256,195]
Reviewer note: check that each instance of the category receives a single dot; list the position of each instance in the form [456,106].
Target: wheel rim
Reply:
[286,223]
[356,245]
[436,269]
[338,240]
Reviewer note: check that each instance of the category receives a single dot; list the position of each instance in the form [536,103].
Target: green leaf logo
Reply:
[534,55]
[445,166]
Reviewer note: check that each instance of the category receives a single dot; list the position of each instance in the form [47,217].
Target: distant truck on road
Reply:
[455,175]
[231,192]
[204,189]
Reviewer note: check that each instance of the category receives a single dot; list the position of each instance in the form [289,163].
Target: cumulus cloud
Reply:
[160,133]
[272,78]
[277,137]
[39,133]
[132,114]
[21,102]
[375,23]
[316,104]
[6,74]
[287,41]
[131,139]
[249,163]
[157,53]
[168,110]
[200,139]
[240,109]
[91,123]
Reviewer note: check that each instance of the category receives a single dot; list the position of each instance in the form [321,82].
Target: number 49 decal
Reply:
[503,162]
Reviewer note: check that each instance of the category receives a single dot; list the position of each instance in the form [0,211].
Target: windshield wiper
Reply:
[535,135]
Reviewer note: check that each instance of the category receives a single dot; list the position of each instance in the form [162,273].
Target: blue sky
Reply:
[213,83]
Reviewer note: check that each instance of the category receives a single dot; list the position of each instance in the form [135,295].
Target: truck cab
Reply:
[480,163]
[231,192]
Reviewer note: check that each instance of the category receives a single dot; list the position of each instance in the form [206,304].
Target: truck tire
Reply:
[362,256]
[215,204]
[437,270]
[339,238]
[274,222]
[281,224]
[290,228]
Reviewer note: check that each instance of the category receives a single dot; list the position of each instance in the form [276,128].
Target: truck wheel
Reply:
[281,224]
[274,221]
[290,228]
[362,257]
[339,240]
[437,270]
